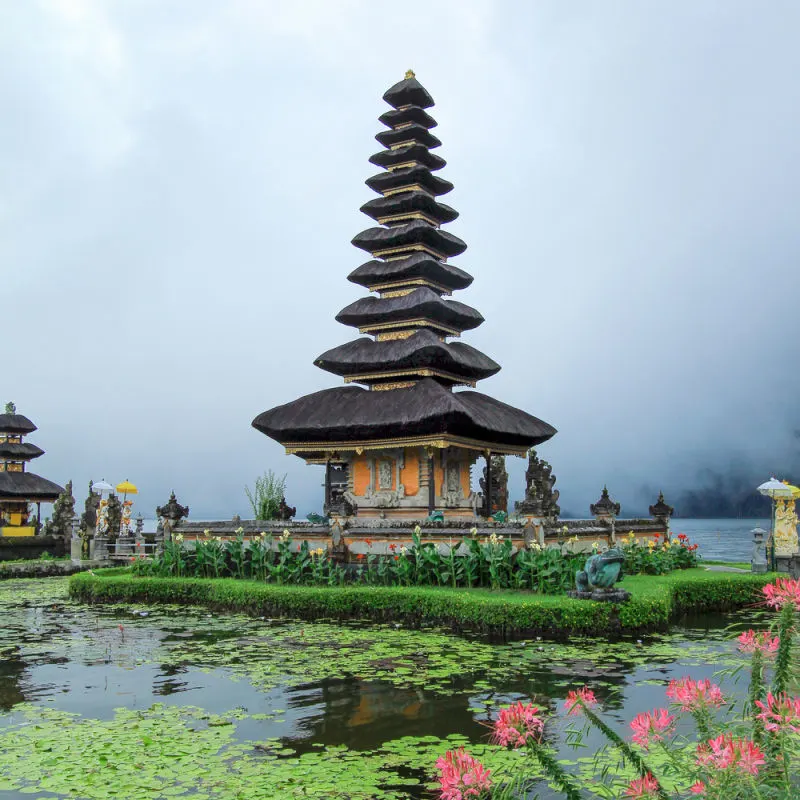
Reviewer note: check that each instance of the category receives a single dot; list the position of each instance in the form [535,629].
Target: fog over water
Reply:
[179,185]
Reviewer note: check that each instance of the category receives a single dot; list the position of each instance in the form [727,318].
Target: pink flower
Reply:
[781,713]
[694,695]
[575,700]
[461,776]
[725,752]
[516,724]
[643,788]
[651,725]
[698,788]
[751,640]
[785,591]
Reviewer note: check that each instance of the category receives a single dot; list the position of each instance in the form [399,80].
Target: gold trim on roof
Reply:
[402,125]
[393,335]
[439,442]
[384,387]
[381,287]
[405,144]
[403,165]
[397,293]
[423,372]
[412,187]
[409,215]
[421,322]
[419,248]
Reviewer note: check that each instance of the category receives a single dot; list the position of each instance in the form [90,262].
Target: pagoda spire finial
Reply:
[11,408]
[410,74]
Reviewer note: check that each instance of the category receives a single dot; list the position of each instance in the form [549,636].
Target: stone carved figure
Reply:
[596,580]
[285,512]
[113,517]
[499,485]
[385,475]
[88,523]
[451,491]
[63,512]
[541,499]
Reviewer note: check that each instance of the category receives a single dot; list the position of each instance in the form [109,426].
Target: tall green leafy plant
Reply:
[265,498]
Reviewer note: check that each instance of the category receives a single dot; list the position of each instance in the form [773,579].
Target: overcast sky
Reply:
[180,181]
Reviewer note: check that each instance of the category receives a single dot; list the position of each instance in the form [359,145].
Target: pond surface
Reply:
[134,702]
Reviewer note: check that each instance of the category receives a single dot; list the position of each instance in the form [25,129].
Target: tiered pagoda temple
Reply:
[18,487]
[404,444]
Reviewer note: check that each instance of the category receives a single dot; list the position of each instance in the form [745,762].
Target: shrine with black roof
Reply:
[403,442]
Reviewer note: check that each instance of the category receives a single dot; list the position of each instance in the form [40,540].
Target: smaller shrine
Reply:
[18,487]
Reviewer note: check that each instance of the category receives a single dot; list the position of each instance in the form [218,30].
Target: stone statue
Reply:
[596,580]
[88,523]
[63,512]
[499,485]
[285,512]
[541,499]
[785,537]
[113,516]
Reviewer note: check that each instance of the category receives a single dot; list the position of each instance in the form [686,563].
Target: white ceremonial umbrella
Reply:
[777,490]
[101,488]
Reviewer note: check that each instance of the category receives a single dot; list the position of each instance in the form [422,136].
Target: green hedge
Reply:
[656,600]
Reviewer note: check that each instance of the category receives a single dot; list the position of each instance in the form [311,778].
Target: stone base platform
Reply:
[602,595]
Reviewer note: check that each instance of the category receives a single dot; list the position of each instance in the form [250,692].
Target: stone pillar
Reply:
[76,550]
[606,511]
[327,504]
[431,483]
[662,513]
[488,499]
[758,562]
[100,552]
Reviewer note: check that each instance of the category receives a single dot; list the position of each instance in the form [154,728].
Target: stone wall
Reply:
[354,536]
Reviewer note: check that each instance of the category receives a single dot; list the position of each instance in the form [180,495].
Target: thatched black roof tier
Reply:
[408,92]
[409,176]
[402,155]
[416,232]
[16,424]
[401,116]
[20,452]
[423,350]
[352,414]
[409,203]
[22,486]
[411,133]
[410,367]
[419,266]
[422,304]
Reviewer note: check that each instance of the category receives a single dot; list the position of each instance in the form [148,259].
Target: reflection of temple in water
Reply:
[11,672]
[363,714]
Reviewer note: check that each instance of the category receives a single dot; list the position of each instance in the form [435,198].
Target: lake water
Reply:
[121,701]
